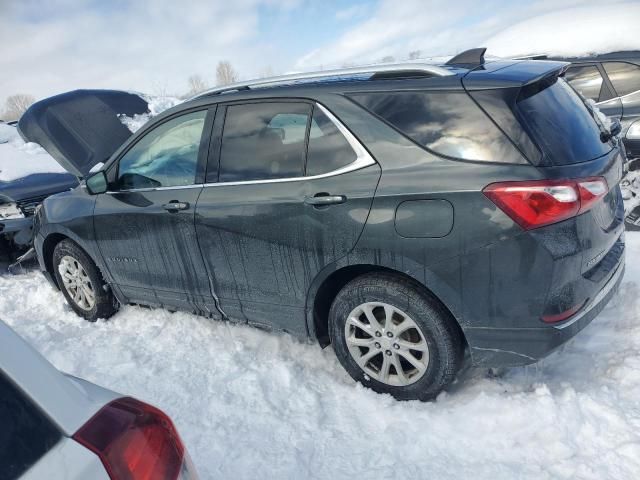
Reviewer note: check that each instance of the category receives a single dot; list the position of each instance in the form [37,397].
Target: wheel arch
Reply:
[321,297]
[48,246]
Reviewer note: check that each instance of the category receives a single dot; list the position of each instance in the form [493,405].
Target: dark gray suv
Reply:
[405,214]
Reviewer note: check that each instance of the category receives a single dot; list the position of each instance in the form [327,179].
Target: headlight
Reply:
[10,210]
[634,131]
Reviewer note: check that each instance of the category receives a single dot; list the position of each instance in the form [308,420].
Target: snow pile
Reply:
[157,105]
[576,31]
[19,159]
[251,404]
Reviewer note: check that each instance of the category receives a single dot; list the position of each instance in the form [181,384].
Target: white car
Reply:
[56,426]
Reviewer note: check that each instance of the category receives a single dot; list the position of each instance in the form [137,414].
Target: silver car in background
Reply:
[56,426]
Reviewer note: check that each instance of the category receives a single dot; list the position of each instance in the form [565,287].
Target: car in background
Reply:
[612,81]
[59,426]
[403,213]
[21,194]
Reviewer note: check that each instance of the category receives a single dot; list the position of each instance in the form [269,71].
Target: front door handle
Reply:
[174,206]
[321,200]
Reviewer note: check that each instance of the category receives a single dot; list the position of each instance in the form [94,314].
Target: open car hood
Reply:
[81,128]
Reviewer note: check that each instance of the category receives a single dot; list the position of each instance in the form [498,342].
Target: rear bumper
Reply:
[502,347]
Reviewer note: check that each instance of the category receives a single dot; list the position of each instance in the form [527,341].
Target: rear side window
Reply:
[447,123]
[328,149]
[264,141]
[625,77]
[25,433]
[586,80]
[560,123]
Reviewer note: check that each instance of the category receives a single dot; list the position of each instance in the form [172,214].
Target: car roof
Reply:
[490,74]
[628,56]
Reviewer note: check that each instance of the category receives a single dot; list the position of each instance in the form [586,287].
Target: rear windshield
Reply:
[560,123]
[25,433]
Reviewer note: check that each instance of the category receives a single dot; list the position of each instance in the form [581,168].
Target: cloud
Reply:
[440,27]
[145,45]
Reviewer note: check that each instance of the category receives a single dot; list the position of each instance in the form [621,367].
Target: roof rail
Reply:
[382,70]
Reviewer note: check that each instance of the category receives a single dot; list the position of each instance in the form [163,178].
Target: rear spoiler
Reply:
[513,74]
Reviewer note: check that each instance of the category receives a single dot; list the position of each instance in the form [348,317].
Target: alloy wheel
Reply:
[386,343]
[77,283]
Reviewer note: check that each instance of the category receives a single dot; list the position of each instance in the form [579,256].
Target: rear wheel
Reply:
[393,337]
[81,282]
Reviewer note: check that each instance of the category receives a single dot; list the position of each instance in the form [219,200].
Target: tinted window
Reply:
[328,149]
[25,433]
[167,156]
[560,123]
[450,124]
[624,76]
[586,80]
[263,141]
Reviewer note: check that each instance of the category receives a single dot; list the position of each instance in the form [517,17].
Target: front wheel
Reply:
[393,337]
[81,282]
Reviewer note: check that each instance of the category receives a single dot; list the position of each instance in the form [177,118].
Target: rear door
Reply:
[288,193]
[144,224]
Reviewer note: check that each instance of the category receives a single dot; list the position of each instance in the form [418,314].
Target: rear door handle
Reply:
[174,206]
[323,200]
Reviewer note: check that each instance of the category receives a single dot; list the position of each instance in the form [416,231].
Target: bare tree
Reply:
[16,105]
[196,85]
[388,59]
[415,54]
[225,74]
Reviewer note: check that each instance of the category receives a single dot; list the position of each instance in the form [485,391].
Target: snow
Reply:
[252,404]
[576,31]
[19,159]
[157,105]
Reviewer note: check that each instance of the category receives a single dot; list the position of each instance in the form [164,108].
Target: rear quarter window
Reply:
[447,123]
[25,433]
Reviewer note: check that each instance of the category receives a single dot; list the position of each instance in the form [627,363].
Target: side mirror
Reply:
[616,127]
[97,183]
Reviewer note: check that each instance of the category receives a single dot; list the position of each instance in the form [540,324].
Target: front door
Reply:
[291,195]
[145,224]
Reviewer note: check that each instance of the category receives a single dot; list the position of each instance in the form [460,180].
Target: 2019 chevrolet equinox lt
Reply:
[403,213]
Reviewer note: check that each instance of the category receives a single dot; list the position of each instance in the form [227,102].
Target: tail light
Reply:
[136,441]
[532,204]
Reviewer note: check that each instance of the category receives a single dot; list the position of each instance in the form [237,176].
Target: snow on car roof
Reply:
[571,32]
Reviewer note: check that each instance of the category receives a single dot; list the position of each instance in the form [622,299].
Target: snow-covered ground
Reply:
[250,404]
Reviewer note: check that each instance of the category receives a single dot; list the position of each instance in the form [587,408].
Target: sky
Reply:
[153,46]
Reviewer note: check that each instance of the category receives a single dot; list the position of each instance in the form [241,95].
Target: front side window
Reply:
[625,77]
[167,156]
[262,141]
[586,80]
[448,123]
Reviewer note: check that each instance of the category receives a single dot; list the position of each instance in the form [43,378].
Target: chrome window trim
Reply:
[363,159]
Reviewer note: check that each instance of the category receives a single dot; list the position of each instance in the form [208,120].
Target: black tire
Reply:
[442,334]
[105,304]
